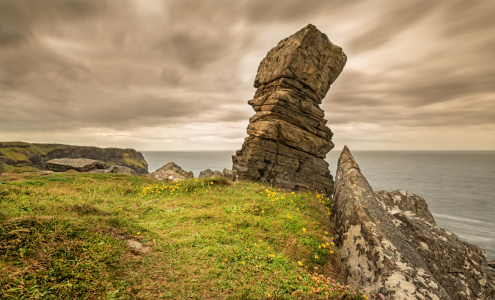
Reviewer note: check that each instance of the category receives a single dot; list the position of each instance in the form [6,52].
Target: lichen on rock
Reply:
[391,244]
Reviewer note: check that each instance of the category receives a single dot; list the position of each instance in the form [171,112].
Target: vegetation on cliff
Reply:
[110,236]
[25,157]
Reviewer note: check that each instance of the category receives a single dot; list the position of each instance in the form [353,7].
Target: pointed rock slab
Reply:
[378,256]
[307,56]
[392,245]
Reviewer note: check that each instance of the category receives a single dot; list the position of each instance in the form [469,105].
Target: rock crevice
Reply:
[288,137]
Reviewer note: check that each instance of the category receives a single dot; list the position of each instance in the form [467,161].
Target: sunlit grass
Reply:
[209,238]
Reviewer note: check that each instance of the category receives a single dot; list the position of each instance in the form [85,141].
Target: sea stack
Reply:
[288,139]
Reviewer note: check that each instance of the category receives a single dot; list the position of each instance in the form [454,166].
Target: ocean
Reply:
[459,186]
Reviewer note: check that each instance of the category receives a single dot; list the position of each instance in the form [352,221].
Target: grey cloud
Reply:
[390,24]
[67,65]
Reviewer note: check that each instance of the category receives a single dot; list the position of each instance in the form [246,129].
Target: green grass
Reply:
[18,170]
[15,154]
[66,236]
[129,161]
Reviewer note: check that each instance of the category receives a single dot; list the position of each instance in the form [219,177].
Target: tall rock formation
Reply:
[288,139]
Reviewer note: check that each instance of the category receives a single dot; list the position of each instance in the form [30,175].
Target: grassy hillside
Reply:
[108,236]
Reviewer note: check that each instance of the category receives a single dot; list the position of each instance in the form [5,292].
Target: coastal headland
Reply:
[82,222]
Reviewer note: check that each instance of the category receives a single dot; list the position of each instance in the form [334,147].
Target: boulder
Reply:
[174,167]
[230,174]
[122,170]
[288,139]
[171,172]
[78,164]
[209,173]
[391,244]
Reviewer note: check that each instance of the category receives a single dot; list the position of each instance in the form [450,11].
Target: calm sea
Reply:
[459,186]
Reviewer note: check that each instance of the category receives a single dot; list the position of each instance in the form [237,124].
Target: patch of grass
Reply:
[52,258]
[19,170]
[207,239]
[129,161]
[14,154]
[109,164]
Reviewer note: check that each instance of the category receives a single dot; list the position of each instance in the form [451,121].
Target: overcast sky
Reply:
[177,75]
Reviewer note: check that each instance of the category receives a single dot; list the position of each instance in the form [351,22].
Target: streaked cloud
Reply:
[177,74]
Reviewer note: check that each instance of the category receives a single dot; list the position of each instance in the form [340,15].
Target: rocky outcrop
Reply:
[115,170]
[122,170]
[288,139]
[392,246]
[171,172]
[229,174]
[21,154]
[402,200]
[209,173]
[78,164]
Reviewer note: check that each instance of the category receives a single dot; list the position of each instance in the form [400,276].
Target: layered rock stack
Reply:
[288,139]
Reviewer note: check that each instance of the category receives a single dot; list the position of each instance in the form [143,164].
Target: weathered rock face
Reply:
[402,200]
[209,173]
[288,139]
[78,164]
[115,170]
[171,166]
[229,174]
[392,246]
[20,154]
[171,172]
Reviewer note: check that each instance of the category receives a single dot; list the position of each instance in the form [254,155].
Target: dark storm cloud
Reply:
[122,65]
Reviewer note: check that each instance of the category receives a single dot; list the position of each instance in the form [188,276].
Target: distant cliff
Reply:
[20,154]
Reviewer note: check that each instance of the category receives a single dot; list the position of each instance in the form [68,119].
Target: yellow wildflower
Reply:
[326,232]
[304,229]
[316,256]
[299,263]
